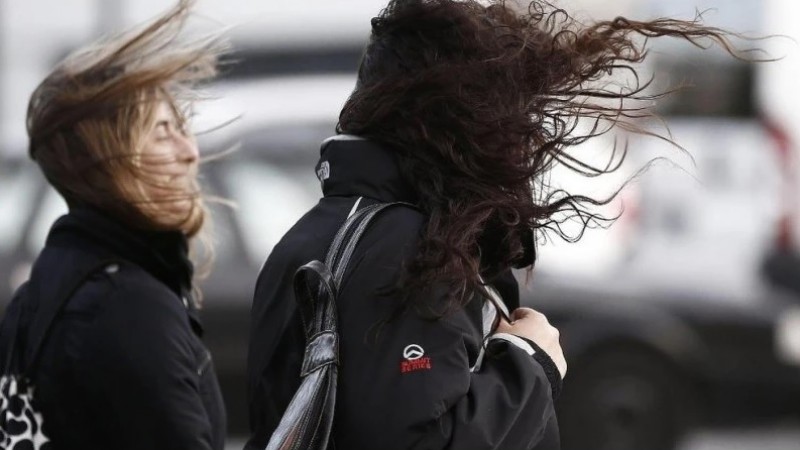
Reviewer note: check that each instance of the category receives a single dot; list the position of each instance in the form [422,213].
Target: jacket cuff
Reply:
[550,368]
[530,347]
[516,341]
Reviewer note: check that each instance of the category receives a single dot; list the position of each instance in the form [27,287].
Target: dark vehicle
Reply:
[646,361]
[646,365]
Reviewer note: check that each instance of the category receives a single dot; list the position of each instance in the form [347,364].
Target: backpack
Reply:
[21,420]
[307,422]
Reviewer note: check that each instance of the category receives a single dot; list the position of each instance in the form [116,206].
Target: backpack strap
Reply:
[308,420]
[317,284]
[51,296]
[341,250]
[345,231]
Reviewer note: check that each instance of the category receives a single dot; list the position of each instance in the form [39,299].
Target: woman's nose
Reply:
[188,150]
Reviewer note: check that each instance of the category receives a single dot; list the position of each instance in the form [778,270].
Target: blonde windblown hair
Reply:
[88,119]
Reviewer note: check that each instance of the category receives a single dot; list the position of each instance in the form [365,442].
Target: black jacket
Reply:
[123,366]
[389,398]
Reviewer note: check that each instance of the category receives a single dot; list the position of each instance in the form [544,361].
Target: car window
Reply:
[51,208]
[269,200]
[17,191]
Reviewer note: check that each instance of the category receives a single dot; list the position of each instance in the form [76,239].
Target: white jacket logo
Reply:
[414,359]
[413,352]
[324,171]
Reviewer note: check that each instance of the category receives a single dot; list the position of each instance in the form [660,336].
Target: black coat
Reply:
[388,398]
[123,366]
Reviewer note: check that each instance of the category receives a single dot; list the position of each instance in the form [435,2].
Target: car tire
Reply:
[625,400]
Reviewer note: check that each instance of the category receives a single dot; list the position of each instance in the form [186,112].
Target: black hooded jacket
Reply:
[123,366]
[411,383]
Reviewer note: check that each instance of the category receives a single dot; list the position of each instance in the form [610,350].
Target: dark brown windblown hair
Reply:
[481,101]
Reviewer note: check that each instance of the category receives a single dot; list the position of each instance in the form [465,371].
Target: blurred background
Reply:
[681,322]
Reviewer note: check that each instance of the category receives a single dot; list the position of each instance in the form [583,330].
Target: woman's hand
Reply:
[533,325]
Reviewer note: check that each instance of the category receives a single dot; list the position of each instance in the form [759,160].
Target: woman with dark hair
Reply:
[105,333]
[461,109]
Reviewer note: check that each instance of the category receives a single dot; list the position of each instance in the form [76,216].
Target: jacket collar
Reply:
[353,166]
[164,254]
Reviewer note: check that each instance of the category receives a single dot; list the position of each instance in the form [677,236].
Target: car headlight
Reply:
[787,336]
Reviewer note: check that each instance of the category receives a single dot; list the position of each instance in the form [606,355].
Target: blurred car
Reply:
[683,329]
[648,364]
[647,360]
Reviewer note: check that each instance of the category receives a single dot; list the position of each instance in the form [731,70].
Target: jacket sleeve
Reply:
[410,385]
[143,364]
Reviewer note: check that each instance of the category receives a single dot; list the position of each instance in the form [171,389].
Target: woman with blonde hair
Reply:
[104,338]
